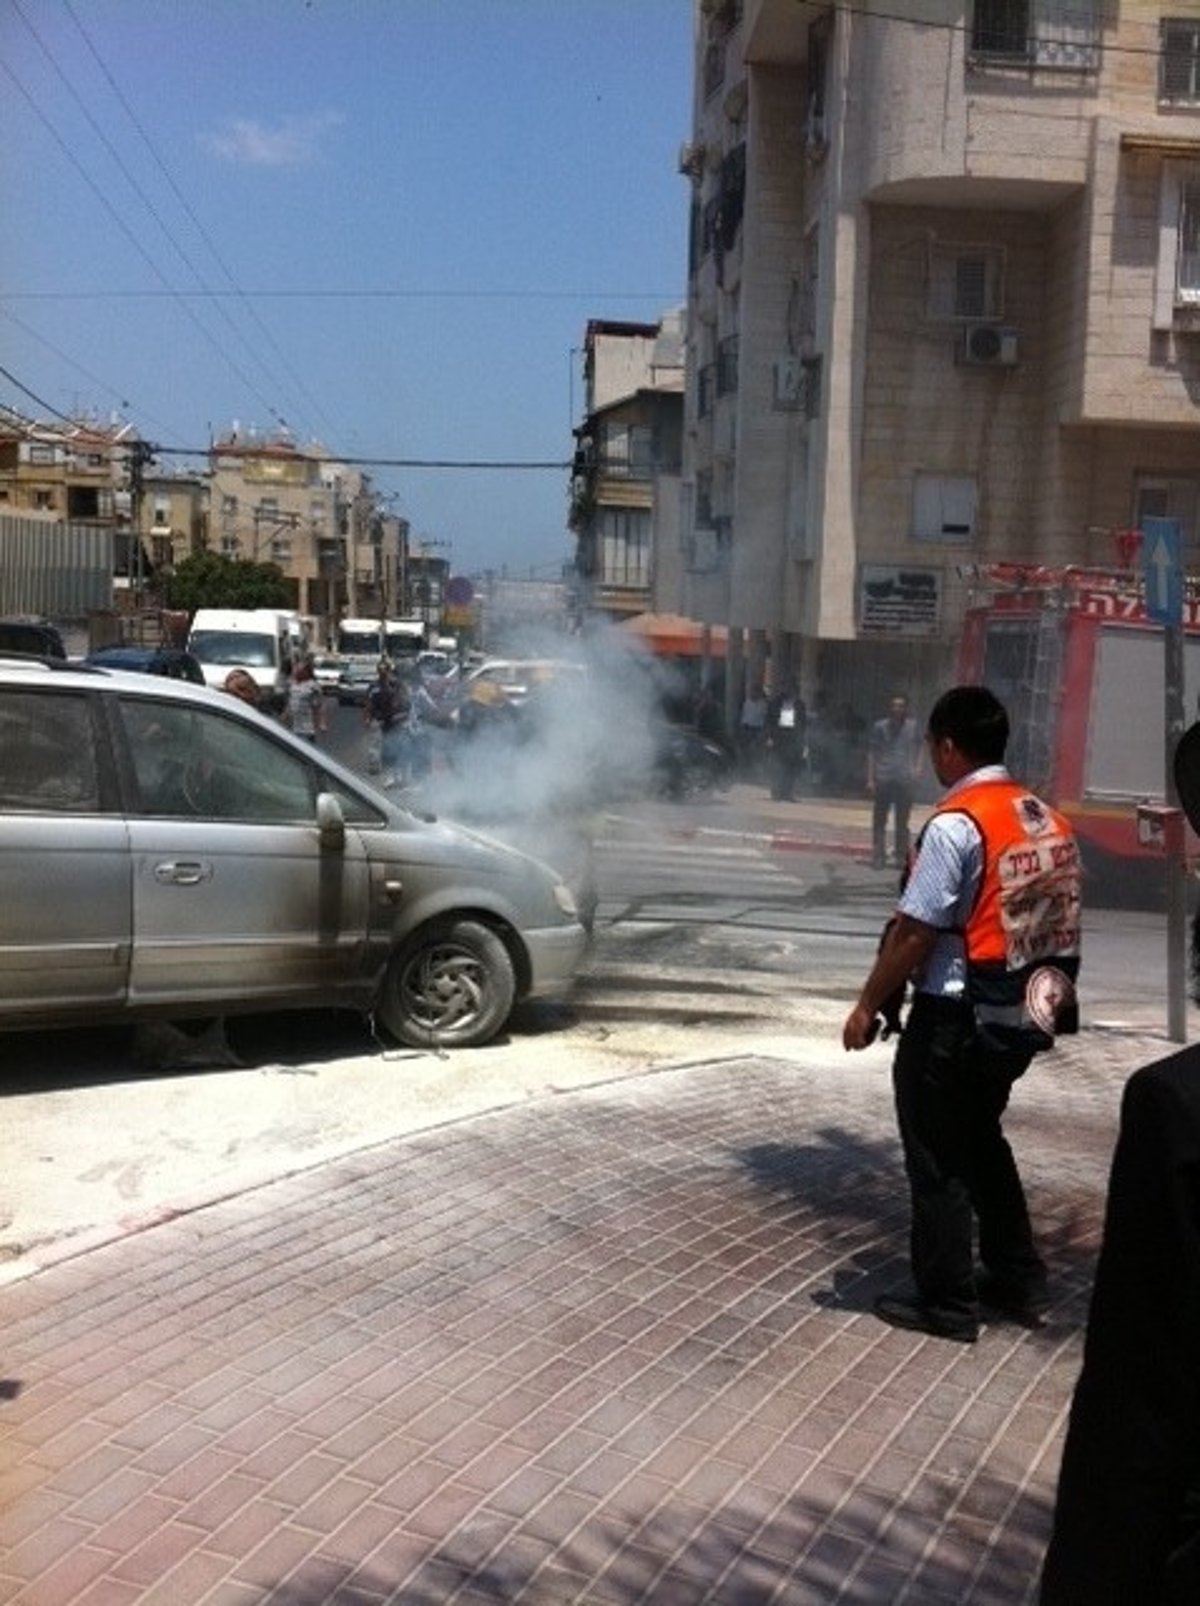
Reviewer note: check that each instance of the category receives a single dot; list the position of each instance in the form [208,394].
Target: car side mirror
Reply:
[331,823]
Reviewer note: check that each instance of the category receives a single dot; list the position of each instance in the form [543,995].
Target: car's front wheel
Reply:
[451,985]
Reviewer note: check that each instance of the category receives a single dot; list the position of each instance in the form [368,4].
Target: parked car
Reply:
[167,850]
[354,681]
[173,662]
[327,670]
[30,636]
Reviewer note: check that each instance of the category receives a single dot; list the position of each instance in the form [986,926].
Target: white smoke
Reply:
[581,738]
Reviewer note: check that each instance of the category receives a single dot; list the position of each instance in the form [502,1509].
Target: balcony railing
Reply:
[1037,33]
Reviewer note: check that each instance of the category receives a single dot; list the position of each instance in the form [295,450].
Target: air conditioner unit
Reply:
[787,391]
[986,345]
[691,159]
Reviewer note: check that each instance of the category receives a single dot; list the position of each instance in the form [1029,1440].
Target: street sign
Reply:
[1162,571]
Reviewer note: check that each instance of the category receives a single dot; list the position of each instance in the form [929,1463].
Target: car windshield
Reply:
[359,642]
[234,647]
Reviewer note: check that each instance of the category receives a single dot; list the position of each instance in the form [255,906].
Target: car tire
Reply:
[451,985]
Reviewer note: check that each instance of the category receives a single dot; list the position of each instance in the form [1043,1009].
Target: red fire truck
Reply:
[1082,672]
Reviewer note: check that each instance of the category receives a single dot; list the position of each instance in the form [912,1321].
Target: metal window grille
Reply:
[1179,63]
[1040,33]
[1187,277]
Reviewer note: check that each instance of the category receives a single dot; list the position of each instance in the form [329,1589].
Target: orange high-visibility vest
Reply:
[1022,933]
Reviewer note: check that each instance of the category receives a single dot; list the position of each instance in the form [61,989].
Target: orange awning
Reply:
[670,635]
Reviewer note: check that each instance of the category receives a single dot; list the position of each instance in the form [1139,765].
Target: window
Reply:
[193,763]
[965,282]
[1179,63]
[817,72]
[944,508]
[1043,33]
[1177,279]
[41,452]
[1187,270]
[162,511]
[43,500]
[814,378]
[49,754]
[627,450]
[810,267]
[706,389]
[727,366]
[625,547]
[1169,497]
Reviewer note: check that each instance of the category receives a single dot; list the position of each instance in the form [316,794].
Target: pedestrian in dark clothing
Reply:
[893,764]
[385,712]
[987,929]
[785,737]
[1127,1515]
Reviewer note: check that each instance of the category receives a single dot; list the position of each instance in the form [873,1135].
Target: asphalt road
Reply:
[709,942]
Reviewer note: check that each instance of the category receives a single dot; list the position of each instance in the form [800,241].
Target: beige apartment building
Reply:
[624,509]
[272,501]
[944,312]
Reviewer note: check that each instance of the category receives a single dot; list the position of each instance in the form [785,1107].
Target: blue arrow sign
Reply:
[1162,571]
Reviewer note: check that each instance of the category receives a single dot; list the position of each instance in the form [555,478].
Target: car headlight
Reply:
[565,899]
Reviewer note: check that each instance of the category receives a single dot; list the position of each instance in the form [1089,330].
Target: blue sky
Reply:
[384,222]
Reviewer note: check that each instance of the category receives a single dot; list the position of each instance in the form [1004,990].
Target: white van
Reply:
[257,640]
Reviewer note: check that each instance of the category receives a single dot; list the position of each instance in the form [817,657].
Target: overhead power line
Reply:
[342,294]
[934,25]
[558,465]
[301,388]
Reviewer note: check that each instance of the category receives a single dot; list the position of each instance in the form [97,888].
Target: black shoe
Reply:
[1026,1309]
[918,1318]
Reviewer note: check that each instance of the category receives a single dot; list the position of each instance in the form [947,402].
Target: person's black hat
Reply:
[1187,774]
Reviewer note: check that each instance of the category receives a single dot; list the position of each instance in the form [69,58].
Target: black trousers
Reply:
[1127,1517]
[950,1098]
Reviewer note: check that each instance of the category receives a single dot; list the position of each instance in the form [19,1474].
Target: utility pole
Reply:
[141,454]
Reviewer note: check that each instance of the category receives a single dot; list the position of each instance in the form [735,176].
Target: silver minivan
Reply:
[166,850]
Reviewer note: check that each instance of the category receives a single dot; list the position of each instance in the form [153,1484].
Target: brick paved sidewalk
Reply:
[612,1346]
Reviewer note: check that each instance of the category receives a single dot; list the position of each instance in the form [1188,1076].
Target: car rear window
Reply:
[47,753]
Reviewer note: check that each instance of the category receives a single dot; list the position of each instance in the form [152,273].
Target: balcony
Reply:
[1055,34]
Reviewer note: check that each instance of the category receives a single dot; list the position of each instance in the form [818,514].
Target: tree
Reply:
[210,580]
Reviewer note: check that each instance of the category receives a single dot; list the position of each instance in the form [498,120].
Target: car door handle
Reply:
[182,872]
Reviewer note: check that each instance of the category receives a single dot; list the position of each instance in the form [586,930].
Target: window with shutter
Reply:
[1179,63]
[944,508]
[966,282]
[1187,274]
